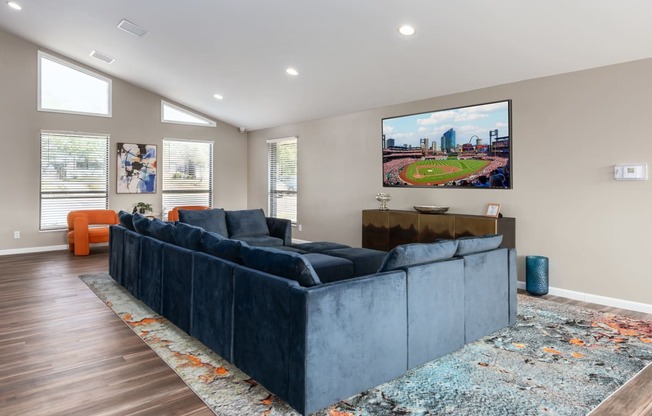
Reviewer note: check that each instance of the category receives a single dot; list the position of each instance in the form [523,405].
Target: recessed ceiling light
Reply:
[292,72]
[406,30]
[14,5]
[218,96]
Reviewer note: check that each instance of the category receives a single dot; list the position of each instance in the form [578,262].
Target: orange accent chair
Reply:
[173,215]
[82,230]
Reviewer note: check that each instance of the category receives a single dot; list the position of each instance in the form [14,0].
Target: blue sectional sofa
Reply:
[311,343]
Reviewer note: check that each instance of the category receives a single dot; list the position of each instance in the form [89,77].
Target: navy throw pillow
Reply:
[142,224]
[126,220]
[418,253]
[470,245]
[281,263]
[219,246]
[213,220]
[246,223]
[188,236]
[163,231]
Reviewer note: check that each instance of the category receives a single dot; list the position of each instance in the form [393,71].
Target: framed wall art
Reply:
[136,168]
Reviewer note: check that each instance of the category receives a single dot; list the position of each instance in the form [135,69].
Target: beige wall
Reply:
[568,132]
[136,118]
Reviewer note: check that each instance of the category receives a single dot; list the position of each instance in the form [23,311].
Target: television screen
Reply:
[465,147]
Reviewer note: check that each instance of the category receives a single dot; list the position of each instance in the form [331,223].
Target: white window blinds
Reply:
[282,158]
[74,175]
[187,173]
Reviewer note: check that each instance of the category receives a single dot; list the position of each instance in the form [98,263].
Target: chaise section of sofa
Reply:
[349,336]
[322,343]
[435,293]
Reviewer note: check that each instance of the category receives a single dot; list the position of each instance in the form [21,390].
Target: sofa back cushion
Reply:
[220,246]
[188,236]
[246,223]
[286,264]
[213,220]
[164,231]
[126,220]
[418,253]
[470,245]
[141,224]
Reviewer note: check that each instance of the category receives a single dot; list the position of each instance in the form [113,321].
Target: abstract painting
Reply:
[136,168]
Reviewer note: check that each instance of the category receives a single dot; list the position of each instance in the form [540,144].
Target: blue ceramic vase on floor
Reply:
[536,275]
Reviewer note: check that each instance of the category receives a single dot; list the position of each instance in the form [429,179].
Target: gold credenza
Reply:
[384,230]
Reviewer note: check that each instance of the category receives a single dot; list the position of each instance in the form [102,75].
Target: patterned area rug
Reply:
[557,360]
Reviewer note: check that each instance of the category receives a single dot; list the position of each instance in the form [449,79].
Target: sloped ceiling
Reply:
[349,54]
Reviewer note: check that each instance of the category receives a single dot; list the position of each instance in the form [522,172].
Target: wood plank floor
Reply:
[63,352]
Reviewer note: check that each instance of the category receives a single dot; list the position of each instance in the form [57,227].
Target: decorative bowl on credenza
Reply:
[431,209]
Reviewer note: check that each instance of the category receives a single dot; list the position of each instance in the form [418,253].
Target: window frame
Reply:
[270,209]
[103,136]
[164,158]
[209,122]
[39,99]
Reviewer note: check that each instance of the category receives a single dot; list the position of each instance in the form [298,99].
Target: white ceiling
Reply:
[348,52]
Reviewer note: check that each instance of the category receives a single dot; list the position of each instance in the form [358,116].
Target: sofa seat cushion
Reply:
[286,264]
[329,268]
[418,253]
[261,240]
[470,245]
[292,249]
[219,246]
[365,260]
[213,220]
[246,223]
[319,246]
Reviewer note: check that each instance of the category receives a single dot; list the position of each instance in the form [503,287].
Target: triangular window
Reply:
[171,113]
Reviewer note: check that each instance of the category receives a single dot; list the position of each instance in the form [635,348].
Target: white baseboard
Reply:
[32,250]
[600,300]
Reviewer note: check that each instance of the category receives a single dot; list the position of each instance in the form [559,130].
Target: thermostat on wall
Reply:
[630,172]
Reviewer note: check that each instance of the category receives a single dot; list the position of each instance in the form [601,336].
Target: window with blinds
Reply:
[74,175]
[282,162]
[187,173]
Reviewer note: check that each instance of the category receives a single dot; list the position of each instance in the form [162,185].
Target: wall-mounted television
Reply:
[464,147]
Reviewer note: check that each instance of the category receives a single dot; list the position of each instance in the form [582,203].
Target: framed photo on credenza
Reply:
[492,210]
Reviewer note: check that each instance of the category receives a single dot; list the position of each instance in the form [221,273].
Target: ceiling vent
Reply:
[102,57]
[131,28]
